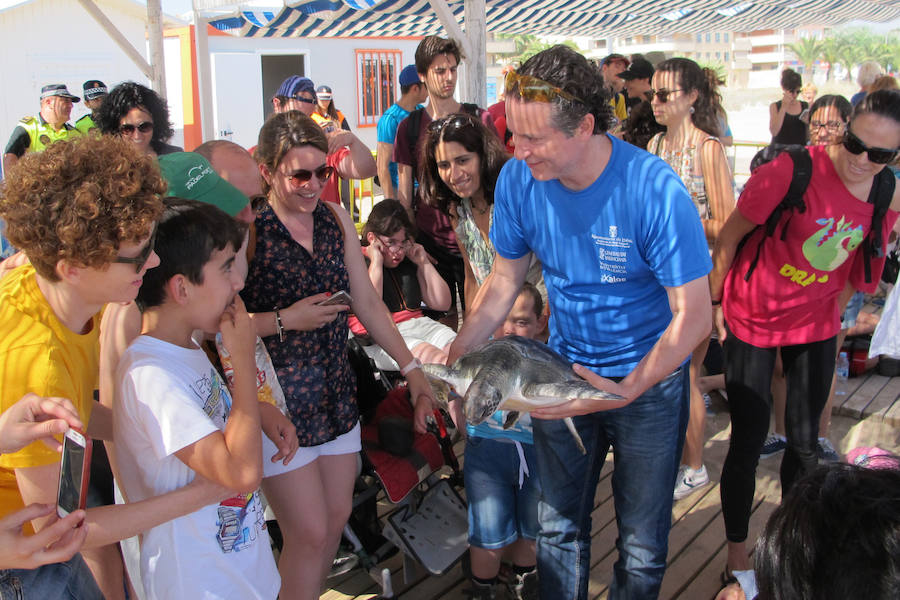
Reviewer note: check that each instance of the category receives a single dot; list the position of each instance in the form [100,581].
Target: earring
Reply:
[692,110]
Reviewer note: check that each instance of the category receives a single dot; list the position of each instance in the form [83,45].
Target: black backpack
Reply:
[880,197]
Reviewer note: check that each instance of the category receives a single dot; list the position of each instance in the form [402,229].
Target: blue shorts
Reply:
[500,512]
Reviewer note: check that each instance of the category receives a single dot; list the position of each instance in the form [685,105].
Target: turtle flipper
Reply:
[571,425]
[511,418]
[561,392]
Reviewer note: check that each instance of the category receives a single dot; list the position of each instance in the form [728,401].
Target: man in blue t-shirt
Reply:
[625,262]
[412,94]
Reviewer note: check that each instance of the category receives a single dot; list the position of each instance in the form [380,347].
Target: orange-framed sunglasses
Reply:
[532,89]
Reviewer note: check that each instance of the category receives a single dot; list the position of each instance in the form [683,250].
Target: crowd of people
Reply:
[208,296]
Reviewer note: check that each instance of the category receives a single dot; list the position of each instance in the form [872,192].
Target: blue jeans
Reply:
[71,580]
[647,437]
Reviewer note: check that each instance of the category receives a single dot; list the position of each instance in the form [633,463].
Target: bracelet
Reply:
[716,302]
[415,363]
[279,326]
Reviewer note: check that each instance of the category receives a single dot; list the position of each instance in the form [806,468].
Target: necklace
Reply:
[480,211]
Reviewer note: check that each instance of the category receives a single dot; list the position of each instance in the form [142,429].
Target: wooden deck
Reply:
[867,413]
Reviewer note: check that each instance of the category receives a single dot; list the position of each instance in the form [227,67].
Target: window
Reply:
[708,38]
[699,37]
[376,72]
[726,57]
[718,37]
[726,38]
[718,55]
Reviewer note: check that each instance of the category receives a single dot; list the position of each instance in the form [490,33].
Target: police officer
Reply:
[95,92]
[33,134]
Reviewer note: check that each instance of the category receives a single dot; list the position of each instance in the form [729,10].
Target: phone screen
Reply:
[71,471]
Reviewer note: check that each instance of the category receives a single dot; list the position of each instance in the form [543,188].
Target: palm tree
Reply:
[808,51]
[831,53]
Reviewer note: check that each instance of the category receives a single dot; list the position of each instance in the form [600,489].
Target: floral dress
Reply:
[312,366]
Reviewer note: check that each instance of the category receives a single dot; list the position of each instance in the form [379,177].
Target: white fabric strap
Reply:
[523,466]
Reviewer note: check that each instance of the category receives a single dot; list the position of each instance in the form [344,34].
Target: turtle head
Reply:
[481,402]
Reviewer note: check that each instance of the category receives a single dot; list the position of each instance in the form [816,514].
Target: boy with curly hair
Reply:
[84,214]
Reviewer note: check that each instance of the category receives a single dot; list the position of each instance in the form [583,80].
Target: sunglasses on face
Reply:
[879,156]
[141,259]
[128,128]
[532,89]
[304,99]
[662,95]
[302,176]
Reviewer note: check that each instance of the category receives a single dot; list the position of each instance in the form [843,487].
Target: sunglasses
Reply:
[128,128]
[303,99]
[879,156]
[141,259]
[451,122]
[302,176]
[532,89]
[663,94]
[394,245]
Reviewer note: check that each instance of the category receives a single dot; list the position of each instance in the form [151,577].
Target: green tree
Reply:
[832,52]
[527,45]
[808,51]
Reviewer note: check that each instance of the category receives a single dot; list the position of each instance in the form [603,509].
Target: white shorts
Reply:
[420,330]
[347,443]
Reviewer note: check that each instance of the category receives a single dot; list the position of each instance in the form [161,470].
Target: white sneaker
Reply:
[689,480]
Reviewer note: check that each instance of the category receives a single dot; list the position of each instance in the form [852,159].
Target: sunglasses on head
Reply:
[532,89]
[141,259]
[128,128]
[302,176]
[662,95]
[453,121]
[879,156]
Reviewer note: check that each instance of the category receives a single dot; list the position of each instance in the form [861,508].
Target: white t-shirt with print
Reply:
[169,397]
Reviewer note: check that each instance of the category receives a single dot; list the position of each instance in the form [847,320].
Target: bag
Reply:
[891,268]
[880,196]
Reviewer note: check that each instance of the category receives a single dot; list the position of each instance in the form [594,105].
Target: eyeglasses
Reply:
[879,156]
[832,126]
[302,176]
[663,94]
[451,122]
[141,259]
[258,202]
[394,245]
[532,89]
[128,128]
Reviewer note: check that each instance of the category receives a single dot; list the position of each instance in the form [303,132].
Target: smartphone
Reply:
[74,472]
[340,297]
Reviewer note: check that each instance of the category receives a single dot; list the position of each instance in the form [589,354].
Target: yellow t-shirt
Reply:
[39,354]
[618,105]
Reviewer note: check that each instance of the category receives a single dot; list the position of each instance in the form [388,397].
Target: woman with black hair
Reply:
[787,117]
[791,301]
[685,101]
[139,115]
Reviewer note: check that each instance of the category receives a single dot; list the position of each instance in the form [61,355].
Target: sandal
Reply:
[727,577]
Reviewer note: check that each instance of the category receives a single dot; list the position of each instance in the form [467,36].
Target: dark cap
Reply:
[295,84]
[58,89]
[640,68]
[615,58]
[94,88]
[323,92]
[409,76]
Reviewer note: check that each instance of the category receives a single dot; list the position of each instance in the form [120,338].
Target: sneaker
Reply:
[774,444]
[481,591]
[524,586]
[826,451]
[689,480]
[344,562]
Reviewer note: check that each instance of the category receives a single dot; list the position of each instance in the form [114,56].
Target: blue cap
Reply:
[409,75]
[295,84]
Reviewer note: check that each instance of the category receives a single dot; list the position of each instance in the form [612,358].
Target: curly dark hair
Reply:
[708,112]
[474,136]
[283,132]
[79,201]
[387,218]
[128,95]
[573,73]
[640,126]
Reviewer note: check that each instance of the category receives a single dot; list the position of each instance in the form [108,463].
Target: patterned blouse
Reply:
[684,162]
[312,366]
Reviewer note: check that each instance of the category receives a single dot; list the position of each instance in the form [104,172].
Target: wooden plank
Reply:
[884,400]
[845,391]
[856,405]
[892,414]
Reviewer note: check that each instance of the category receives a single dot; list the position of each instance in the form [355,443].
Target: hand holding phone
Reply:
[341,297]
[74,473]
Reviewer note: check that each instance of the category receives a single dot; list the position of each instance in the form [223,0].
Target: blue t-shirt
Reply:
[608,252]
[387,131]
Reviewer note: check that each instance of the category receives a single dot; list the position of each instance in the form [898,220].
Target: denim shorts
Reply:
[848,319]
[70,580]
[500,512]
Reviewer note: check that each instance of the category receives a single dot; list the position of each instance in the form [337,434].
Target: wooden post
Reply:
[476,65]
[136,57]
[157,57]
[204,75]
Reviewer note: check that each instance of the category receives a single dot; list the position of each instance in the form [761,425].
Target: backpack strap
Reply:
[412,128]
[880,196]
[793,199]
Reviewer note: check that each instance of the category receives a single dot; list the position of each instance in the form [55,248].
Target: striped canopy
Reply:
[592,18]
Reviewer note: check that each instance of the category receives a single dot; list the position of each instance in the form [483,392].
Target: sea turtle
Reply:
[516,374]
